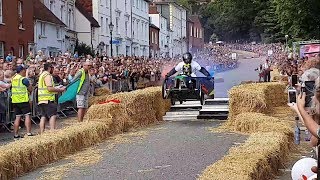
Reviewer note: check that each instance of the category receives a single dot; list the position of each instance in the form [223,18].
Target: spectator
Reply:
[46,97]
[20,100]
[83,92]
[266,71]
[9,58]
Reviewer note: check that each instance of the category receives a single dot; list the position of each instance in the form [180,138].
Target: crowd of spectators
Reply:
[217,56]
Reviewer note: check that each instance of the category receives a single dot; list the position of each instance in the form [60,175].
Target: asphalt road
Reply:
[172,150]
[245,72]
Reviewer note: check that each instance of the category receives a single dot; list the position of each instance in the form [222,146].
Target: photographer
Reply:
[310,116]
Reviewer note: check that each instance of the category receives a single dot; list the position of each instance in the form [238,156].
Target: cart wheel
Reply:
[201,94]
[173,101]
[164,90]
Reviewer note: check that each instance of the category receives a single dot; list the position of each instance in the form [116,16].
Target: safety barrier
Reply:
[64,110]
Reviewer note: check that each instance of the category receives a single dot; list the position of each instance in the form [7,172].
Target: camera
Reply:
[293,80]
[292,95]
[308,88]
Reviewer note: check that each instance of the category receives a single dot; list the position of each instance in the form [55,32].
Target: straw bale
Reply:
[137,109]
[256,97]
[97,99]
[102,91]
[30,153]
[257,122]
[258,158]
[113,114]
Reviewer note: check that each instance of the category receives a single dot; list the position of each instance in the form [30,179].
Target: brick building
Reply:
[16,27]
[154,41]
[195,34]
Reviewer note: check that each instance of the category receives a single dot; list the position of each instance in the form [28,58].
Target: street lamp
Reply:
[111,26]
[286,36]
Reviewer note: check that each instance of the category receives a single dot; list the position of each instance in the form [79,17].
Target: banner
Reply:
[309,50]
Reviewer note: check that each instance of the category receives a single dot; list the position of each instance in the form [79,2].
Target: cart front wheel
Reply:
[173,101]
[164,90]
[201,94]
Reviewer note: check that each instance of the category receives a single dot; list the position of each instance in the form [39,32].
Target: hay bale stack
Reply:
[97,99]
[113,114]
[136,109]
[257,122]
[30,153]
[100,94]
[256,97]
[258,158]
[102,91]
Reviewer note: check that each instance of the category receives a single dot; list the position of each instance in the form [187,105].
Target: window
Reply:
[42,29]
[156,38]
[106,2]
[21,51]
[93,33]
[125,5]
[137,29]
[101,25]
[133,23]
[117,25]
[107,24]
[200,33]
[20,14]
[126,27]
[142,31]
[191,33]
[58,33]
[1,16]
[69,18]
[61,13]
[137,4]
[1,49]
[51,5]
[152,37]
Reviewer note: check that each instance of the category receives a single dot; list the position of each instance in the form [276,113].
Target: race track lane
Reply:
[172,150]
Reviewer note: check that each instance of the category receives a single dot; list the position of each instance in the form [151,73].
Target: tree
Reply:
[83,49]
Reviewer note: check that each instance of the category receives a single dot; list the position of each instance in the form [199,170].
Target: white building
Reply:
[177,23]
[121,35]
[140,27]
[87,27]
[164,37]
[65,11]
[49,31]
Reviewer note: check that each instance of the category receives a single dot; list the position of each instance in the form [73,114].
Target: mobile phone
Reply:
[309,90]
[294,80]
[292,96]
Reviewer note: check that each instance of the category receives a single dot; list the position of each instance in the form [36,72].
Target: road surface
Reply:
[171,150]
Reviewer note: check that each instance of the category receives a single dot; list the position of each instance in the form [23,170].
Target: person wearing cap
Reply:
[20,100]
[46,97]
[83,91]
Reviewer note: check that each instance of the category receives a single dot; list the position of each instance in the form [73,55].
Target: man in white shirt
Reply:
[188,67]
[267,70]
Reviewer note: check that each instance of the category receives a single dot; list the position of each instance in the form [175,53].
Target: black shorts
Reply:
[21,109]
[48,110]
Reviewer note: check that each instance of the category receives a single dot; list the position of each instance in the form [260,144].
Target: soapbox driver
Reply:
[182,88]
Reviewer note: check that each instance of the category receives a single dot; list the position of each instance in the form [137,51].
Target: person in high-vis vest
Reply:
[20,100]
[46,97]
[83,92]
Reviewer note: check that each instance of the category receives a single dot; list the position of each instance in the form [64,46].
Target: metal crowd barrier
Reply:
[7,115]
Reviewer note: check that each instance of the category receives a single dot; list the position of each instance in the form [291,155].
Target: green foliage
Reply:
[83,49]
[261,20]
